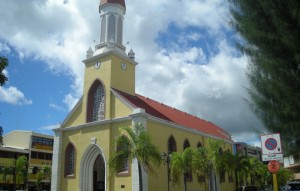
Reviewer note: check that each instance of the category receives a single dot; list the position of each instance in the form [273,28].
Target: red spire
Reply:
[120,2]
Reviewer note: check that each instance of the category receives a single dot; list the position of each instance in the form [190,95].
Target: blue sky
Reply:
[184,48]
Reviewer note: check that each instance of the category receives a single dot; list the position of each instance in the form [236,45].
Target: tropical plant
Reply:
[201,164]
[255,171]
[3,65]
[270,32]
[236,163]
[1,136]
[21,170]
[283,175]
[6,172]
[43,174]
[181,165]
[216,159]
[135,144]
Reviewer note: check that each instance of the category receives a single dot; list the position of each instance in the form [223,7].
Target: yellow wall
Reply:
[82,140]
[77,116]
[7,161]
[118,109]
[160,135]
[111,75]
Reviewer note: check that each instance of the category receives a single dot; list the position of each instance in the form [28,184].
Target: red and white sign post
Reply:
[272,151]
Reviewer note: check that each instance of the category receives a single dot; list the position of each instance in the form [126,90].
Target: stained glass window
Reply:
[70,160]
[98,106]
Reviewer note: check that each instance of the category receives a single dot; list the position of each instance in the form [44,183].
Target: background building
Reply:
[37,147]
[248,150]
[8,157]
[292,162]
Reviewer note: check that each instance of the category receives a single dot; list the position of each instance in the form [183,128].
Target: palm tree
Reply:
[236,163]
[135,143]
[3,65]
[43,174]
[283,175]
[255,168]
[6,172]
[216,159]
[1,137]
[181,164]
[201,164]
[21,169]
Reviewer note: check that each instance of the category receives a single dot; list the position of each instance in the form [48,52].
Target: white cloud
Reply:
[4,48]
[13,96]
[56,107]
[70,101]
[49,127]
[5,72]
[210,85]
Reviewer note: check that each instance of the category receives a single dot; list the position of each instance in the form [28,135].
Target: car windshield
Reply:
[250,188]
[295,186]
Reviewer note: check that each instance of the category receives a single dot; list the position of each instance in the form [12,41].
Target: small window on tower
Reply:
[103,29]
[111,28]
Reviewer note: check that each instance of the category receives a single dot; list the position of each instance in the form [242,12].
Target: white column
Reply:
[135,175]
[56,163]
[139,116]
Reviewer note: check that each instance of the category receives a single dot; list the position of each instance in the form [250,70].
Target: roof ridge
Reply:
[174,115]
[178,110]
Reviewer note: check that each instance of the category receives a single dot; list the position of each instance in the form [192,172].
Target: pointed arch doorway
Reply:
[99,174]
[93,170]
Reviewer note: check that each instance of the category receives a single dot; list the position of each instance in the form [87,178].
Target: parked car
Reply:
[247,188]
[294,186]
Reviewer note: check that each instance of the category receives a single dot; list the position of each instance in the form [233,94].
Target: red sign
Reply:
[273,166]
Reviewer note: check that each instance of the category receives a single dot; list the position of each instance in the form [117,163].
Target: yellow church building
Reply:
[83,143]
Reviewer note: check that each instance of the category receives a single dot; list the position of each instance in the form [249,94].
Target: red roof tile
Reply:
[178,117]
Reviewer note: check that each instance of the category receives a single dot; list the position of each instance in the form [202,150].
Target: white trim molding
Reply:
[87,165]
[56,162]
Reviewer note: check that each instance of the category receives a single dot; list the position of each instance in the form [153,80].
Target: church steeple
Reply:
[119,2]
[111,21]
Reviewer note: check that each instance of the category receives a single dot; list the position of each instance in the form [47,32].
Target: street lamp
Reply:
[166,161]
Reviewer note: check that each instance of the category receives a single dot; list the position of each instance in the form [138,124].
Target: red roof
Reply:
[120,2]
[178,117]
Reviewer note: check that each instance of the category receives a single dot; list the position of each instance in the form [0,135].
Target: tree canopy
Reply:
[1,136]
[135,143]
[270,38]
[3,65]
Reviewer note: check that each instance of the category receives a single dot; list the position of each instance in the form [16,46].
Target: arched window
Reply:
[199,145]
[111,28]
[186,144]
[120,30]
[222,173]
[70,154]
[103,29]
[123,147]
[172,147]
[96,102]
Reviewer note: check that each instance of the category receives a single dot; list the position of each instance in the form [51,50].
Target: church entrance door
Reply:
[93,170]
[99,174]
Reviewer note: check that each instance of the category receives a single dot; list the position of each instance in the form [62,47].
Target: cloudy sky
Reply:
[185,49]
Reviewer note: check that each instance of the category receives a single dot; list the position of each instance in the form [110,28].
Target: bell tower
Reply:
[111,21]
[108,66]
